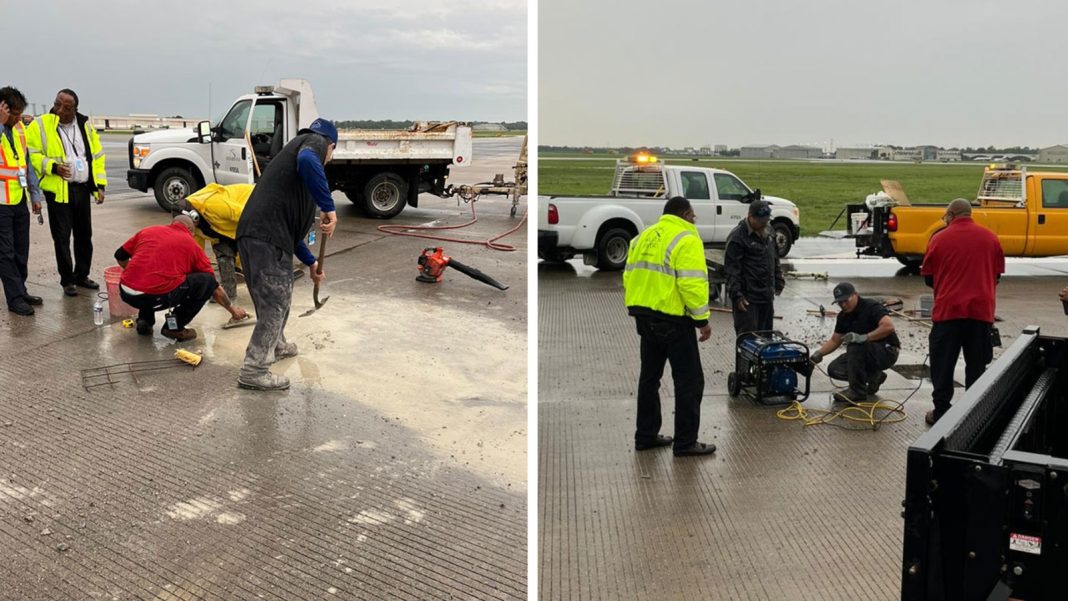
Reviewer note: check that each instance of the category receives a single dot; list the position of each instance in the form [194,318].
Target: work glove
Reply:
[854,338]
[816,357]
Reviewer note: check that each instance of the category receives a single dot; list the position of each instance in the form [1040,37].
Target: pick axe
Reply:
[315,292]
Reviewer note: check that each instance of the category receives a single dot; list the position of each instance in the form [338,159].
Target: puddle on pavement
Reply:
[913,372]
[457,381]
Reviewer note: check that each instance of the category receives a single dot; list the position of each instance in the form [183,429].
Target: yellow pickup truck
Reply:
[1027,210]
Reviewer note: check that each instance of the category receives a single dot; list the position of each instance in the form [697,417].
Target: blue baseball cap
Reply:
[325,128]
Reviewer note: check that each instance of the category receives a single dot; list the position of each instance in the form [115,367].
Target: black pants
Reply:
[861,363]
[947,339]
[663,341]
[269,277]
[14,248]
[187,299]
[758,317]
[72,217]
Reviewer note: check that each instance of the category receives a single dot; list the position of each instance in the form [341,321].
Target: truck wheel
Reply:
[784,238]
[172,185]
[612,249]
[910,261]
[385,196]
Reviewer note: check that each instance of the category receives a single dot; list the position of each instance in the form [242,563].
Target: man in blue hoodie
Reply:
[278,215]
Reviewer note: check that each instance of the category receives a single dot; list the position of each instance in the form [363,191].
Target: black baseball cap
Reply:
[843,291]
[760,209]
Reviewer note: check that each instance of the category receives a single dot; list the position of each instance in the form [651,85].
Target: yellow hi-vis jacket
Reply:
[46,150]
[221,206]
[666,271]
[12,162]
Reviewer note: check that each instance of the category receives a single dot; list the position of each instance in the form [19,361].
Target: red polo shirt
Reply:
[965,260]
[160,258]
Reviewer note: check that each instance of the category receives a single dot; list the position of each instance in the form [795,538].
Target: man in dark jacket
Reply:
[278,215]
[751,266]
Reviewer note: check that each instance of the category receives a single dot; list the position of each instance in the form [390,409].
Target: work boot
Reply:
[659,441]
[697,448]
[876,381]
[19,307]
[263,381]
[87,283]
[144,327]
[285,350]
[70,290]
[33,300]
[181,335]
[850,396]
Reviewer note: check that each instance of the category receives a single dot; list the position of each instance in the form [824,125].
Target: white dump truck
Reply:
[379,170]
[600,228]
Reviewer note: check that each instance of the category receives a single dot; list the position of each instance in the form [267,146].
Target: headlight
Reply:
[140,151]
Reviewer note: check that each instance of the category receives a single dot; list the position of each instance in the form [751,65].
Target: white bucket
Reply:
[859,222]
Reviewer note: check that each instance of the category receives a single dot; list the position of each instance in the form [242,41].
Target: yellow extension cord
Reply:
[864,412]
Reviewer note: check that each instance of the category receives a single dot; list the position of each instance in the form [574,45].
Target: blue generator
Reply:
[768,368]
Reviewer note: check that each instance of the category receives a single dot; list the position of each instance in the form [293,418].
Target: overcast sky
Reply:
[366,59]
[683,73]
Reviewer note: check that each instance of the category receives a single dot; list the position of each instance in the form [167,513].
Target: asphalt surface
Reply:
[783,511]
[394,468]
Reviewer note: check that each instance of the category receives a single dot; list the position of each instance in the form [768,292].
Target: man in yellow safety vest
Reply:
[17,183]
[67,155]
[666,291]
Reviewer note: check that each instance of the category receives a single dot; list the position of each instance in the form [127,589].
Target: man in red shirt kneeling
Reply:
[164,268]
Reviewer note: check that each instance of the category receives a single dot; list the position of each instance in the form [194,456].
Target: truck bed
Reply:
[434,142]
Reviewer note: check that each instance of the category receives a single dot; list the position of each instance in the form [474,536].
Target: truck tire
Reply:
[910,261]
[172,185]
[784,237]
[612,249]
[385,195]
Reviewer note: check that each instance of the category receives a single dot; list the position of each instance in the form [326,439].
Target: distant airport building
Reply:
[947,156]
[906,154]
[797,152]
[855,154]
[1053,154]
[719,148]
[758,152]
[488,127]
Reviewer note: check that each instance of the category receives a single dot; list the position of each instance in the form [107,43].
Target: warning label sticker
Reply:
[1025,544]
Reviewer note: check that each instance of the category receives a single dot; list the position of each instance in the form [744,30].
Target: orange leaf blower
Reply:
[433,261]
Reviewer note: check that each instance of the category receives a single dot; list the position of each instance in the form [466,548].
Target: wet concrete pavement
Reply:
[783,511]
[394,468]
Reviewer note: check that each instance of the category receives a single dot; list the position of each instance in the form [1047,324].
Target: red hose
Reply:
[405,230]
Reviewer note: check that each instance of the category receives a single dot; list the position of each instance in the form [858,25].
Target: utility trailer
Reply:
[986,494]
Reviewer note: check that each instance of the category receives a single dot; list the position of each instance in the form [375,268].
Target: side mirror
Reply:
[204,132]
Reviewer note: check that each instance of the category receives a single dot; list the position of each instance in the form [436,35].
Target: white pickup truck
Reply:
[600,228]
[379,170]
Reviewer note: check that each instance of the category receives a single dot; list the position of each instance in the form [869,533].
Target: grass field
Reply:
[820,190]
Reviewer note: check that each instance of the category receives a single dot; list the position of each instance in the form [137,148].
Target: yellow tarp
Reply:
[221,205]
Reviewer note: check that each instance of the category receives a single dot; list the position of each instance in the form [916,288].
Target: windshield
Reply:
[233,124]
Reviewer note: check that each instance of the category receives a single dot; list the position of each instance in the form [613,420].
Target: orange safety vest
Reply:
[13,174]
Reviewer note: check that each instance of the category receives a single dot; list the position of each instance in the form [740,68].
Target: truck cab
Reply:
[176,162]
